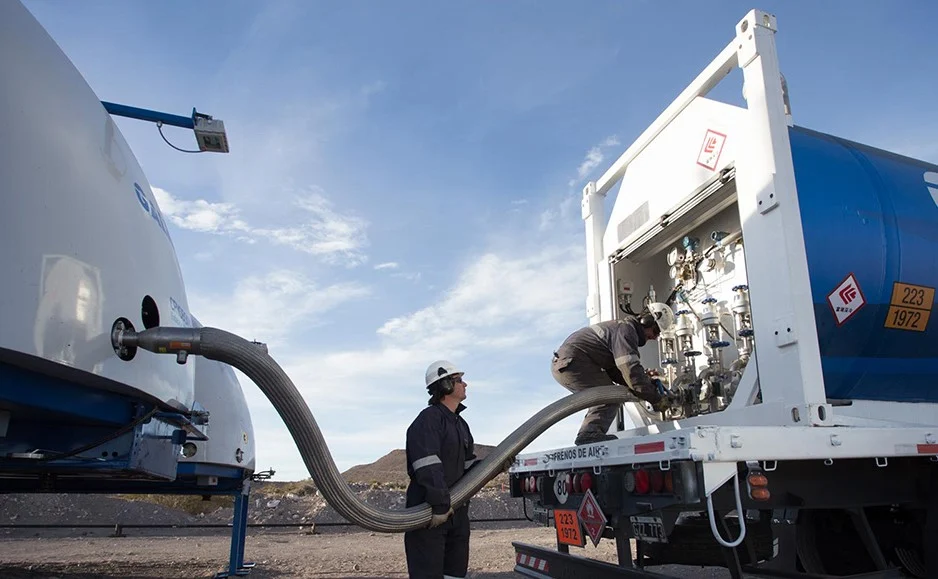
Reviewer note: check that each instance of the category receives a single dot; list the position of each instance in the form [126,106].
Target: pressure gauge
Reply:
[672,257]
[673,272]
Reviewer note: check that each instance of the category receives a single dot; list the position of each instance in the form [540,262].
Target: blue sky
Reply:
[404,177]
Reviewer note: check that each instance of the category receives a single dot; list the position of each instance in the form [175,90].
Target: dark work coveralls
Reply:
[440,450]
[598,355]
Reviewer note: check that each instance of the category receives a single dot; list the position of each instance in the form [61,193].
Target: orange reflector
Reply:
[758,480]
[668,482]
[759,494]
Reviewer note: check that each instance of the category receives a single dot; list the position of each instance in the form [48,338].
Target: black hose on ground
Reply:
[254,361]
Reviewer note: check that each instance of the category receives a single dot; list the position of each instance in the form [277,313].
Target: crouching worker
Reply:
[440,449]
[606,353]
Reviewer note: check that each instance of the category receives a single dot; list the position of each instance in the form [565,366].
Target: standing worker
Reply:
[606,353]
[440,450]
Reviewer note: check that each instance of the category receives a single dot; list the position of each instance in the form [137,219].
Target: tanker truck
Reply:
[794,272]
[795,275]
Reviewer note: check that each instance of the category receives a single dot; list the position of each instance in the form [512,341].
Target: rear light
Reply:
[578,483]
[568,481]
[760,494]
[757,479]
[629,481]
[668,482]
[586,482]
[656,477]
[758,485]
[642,482]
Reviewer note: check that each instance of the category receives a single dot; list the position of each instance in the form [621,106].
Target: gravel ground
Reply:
[344,551]
[331,553]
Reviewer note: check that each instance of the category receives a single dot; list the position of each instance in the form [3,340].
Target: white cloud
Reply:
[269,307]
[323,232]
[594,157]
[506,310]
[501,304]
[501,301]
[562,212]
[413,276]
[393,265]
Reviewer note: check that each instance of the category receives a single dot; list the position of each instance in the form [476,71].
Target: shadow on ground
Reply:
[101,571]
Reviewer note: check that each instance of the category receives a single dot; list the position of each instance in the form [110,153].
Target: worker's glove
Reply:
[437,520]
[659,386]
[663,404]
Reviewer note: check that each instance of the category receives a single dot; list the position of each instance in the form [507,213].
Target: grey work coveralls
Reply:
[599,355]
[440,449]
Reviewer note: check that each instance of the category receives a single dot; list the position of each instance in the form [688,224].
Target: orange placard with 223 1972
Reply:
[569,531]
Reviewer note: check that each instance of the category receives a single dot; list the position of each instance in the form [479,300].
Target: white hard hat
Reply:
[441,369]
[663,314]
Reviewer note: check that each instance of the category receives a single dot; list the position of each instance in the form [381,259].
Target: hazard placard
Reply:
[846,299]
[568,528]
[711,149]
[592,517]
[910,307]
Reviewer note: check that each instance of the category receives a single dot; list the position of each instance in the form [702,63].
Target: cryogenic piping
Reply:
[257,365]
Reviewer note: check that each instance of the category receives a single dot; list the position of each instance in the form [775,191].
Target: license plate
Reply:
[541,516]
[648,529]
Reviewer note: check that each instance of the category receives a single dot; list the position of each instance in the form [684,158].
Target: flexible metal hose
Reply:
[257,365]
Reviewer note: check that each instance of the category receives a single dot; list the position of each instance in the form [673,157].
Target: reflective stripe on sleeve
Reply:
[626,360]
[426,461]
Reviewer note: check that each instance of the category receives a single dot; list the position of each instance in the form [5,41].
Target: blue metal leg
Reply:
[244,498]
[236,564]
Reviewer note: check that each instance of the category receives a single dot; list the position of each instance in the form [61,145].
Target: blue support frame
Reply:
[62,414]
[239,526]
[148,115]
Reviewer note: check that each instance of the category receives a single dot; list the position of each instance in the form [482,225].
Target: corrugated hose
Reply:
[253,360]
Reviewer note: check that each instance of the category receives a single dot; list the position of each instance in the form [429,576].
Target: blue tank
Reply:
[871,233]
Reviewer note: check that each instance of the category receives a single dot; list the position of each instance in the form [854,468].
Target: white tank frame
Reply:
[786,364]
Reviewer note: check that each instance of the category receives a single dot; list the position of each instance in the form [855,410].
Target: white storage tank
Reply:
[82,239]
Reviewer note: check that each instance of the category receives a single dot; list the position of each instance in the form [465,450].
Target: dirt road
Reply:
[279,555]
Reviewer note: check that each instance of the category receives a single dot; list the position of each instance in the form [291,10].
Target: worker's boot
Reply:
[591,438]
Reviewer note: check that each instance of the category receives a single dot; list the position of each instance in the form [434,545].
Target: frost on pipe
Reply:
[257,365]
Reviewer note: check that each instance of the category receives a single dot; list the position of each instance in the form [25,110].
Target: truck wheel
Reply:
[828,543]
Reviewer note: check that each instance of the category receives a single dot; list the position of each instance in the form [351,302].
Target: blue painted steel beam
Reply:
[19,387]
[148,115]
[180,486]
[204,469]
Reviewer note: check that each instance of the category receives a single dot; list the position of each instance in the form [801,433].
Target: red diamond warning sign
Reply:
[594,521]
[710,149]
[846,299]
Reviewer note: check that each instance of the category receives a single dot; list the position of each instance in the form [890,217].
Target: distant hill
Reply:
[391,469]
